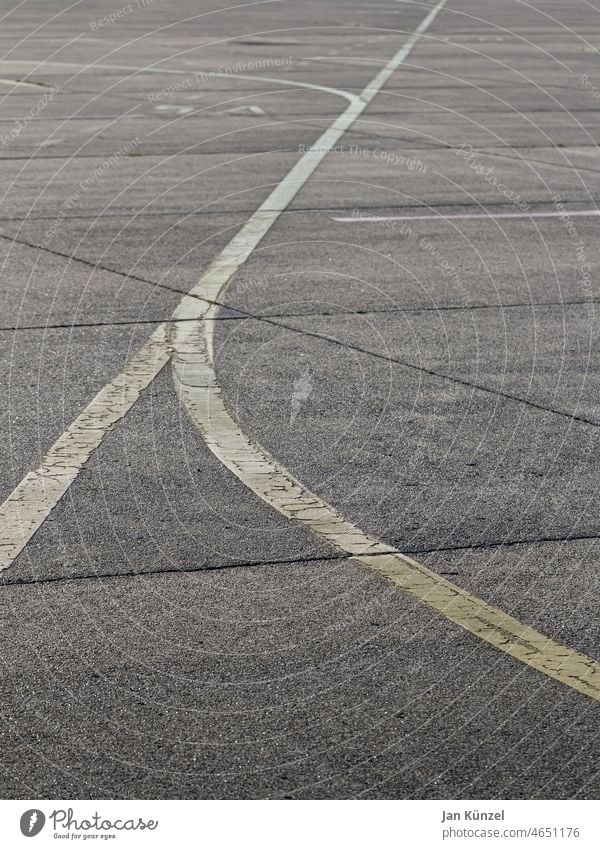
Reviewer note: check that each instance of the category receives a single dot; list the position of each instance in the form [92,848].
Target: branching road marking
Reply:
[31,502]
[196,381]
[190,337]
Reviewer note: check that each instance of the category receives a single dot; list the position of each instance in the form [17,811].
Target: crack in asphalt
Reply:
[298,561]
[137,573]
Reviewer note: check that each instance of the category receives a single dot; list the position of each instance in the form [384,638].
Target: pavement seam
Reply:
[198,388]
[187,570]
[243,315]
[33,499]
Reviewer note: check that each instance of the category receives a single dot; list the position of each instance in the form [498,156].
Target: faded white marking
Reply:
[370,219]
[197,386]
[246,110]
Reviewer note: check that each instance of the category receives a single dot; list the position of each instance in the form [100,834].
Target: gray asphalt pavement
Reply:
[414,339]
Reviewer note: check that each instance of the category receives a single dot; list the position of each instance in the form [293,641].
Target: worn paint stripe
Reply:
[30,503]
[370,219]
[200,393]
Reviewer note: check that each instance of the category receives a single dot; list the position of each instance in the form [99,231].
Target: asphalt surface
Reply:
[167,634]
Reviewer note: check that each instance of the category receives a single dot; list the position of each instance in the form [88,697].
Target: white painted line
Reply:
[245,241]
[30,503]
[192,72]
[362,219]
[15,83]
[34,498]
[197,386]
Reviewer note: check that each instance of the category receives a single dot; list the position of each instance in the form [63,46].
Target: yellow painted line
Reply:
[576,670]
[197,386]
